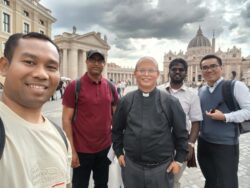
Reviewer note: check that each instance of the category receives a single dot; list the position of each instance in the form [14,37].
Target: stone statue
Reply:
[74,29]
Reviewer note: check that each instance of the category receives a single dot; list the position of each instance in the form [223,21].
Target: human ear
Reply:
[4,66]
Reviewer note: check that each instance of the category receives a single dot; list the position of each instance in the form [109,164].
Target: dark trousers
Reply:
[96,162]
[138,176]
[219,164]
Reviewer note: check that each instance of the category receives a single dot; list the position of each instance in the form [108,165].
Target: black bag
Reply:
[232,104]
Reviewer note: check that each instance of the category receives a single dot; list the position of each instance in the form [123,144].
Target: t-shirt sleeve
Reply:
[69,95]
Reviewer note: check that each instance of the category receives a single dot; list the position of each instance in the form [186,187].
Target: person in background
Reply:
[190,103]
[218,143]
[35,154]
[90,133]
[147,133]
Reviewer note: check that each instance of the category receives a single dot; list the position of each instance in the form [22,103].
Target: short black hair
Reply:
[211,56]
[12,42]
[177,61]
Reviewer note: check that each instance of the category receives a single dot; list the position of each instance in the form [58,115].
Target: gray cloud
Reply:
[136,19]
[131,19]
[245,14]
[124,44]
[233,26]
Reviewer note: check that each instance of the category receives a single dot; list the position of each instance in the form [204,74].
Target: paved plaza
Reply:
[192,177]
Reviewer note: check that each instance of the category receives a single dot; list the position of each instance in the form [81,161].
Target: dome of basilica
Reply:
[199,40]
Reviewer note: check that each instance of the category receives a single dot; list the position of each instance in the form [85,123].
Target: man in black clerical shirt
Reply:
[149,132]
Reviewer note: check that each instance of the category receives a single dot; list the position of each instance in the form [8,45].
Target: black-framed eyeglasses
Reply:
[211,67]
[177,69]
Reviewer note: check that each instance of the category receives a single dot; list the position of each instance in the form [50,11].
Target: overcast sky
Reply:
[136,28]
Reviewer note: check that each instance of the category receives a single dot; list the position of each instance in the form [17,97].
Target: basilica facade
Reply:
[200,46]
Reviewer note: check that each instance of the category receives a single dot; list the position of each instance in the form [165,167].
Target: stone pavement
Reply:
[192,177]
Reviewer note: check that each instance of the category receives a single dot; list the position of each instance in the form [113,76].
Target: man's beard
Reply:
[177,81]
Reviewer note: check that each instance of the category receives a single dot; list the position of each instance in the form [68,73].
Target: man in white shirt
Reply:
[191,105]
[35,154]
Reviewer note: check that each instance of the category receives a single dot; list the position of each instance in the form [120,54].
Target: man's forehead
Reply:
[210,60]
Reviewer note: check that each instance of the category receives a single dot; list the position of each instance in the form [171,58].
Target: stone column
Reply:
[65,62]
[196,74]
[80,63]
[84,65]
[104,72]
[73,63]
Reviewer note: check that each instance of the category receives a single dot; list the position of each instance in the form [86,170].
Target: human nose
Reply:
[40,72]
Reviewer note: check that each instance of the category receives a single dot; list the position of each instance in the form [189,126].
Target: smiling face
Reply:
[32,75]
[146,74]
[211,70]
[95,65]
[177,73]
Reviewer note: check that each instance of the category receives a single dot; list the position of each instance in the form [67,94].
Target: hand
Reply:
[75,160]
[121,161]
[174,168]
[190,152]
[216,115]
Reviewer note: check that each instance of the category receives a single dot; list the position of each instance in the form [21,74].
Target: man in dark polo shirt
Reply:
[90,133]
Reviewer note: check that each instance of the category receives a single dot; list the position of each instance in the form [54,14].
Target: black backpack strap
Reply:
[112,87]
[77,91]
[229,99]
[130,100]
[163,96]
[228,94]
[2,138]
[59,129]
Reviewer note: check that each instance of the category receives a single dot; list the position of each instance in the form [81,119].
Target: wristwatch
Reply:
[191,144]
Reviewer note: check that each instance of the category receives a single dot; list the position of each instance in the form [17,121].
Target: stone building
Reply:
[118,73]
[73,48]
[23,16]
[200,46]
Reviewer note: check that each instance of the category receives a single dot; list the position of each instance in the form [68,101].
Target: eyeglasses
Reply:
[99,61]
[212,67]
[177,69]
[149,71]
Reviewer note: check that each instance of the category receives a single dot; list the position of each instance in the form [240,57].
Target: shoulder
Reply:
[240,84]
[166,97]
[240,88]
[129,96]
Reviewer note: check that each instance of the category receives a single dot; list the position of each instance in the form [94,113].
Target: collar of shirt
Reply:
[88,79]
[212,88]
[171,90]
[148,94]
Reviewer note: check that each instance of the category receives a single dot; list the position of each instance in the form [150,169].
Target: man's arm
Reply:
[118,126]
[195,116]
[180,132]
[192,138]
[242,96]
[67,116]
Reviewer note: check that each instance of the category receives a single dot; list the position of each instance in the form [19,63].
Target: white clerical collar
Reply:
[145,94]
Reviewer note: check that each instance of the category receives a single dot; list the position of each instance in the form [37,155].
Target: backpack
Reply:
[2,136]
[232,104]
[77,91]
